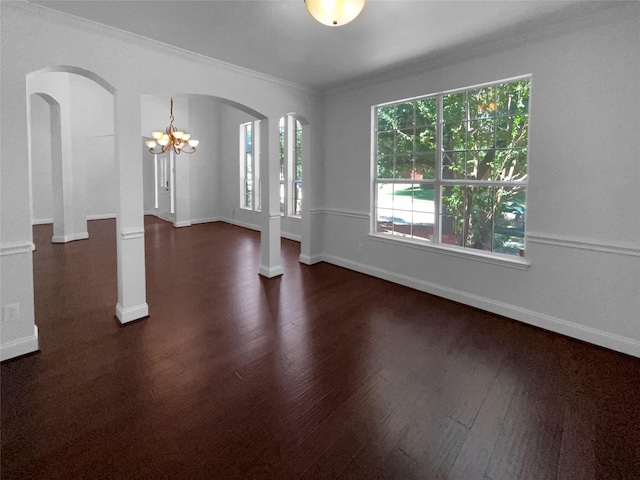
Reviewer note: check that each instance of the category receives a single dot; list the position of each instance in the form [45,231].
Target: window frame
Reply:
[439,183]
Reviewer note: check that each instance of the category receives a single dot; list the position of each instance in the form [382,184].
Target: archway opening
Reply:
[73,191]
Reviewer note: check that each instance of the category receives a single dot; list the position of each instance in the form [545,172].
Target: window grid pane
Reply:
[483,168]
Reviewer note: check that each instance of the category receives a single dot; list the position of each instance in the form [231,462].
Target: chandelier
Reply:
[172,139]
[334,12]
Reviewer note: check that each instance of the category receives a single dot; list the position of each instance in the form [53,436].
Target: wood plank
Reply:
[320,373]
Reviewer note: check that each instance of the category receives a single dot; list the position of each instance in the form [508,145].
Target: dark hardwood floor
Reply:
[321,373]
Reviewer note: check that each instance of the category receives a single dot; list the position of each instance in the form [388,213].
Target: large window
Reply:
[451,168]
[290,166]
[249,167]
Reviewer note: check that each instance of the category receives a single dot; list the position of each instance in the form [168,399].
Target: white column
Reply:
[306,246]
[69,212]
[18,331]
[270,265]
[132,303]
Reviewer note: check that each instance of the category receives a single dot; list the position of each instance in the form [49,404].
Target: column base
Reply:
[126,315]
[270,272]
[21,346]
[69,238]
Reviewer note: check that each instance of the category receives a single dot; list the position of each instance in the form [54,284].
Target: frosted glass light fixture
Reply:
[171,139]
[334,13]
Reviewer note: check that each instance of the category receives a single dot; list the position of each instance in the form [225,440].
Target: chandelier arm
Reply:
[177,144]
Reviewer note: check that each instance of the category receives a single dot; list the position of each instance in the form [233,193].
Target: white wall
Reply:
[204,164]
[33,39]
[583,231]
[583,227]
[90,111]
[92,130]
[230,120]
[41,160]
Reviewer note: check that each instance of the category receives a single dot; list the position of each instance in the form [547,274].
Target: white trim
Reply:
[126,315]
[186,223]
[16,248]
[270,272]
[195,221]
[584,244]
[238,223]
[342,213]
[102,216]
[69,238]
[291,236]
[612,341]
[56,16]
[162,216]
[310,260]
[252,226]
[460,252]
[99,216]
[132,233]
[19,347]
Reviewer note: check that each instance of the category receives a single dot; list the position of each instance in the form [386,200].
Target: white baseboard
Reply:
[195,221]
[558,325]
[186,223]
[69,238]
[291,236]
[271,272]
[19,347]
[126,315]
[251,226]
[238,223]
[310,260]
[160,215]
[101,216]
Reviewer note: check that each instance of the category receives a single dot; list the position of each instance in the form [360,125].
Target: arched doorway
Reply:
[201,180]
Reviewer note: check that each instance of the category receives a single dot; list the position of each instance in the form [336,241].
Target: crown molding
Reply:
[479,48]
[57,17]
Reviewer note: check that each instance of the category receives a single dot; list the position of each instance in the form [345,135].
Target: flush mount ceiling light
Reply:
[172,138]
[334,12]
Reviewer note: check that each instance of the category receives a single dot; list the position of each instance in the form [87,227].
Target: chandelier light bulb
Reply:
[334,13]
[150,143]
[157,135]
[193,143]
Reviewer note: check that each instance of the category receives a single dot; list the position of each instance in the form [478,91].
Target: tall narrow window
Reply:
[451,168]
[290,166]
[249,167]
[297,183]
[283,197]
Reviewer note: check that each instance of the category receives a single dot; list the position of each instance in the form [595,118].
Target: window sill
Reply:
[469,254]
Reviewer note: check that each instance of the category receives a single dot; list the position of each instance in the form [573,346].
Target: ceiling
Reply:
[280,38]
